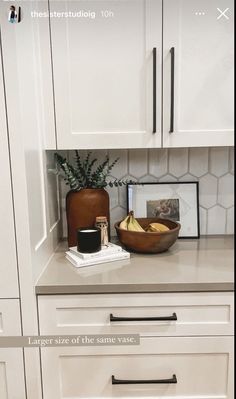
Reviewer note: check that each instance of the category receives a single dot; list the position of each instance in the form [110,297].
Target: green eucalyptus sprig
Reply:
[86,174]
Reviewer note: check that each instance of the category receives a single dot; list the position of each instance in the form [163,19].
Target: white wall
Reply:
[212,167]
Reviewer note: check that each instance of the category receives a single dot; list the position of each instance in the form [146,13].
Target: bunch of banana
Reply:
[130,223]
[157,228]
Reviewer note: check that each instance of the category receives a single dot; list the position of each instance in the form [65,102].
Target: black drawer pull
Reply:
[154,83]
[172,380]
[162,318]
[172,89]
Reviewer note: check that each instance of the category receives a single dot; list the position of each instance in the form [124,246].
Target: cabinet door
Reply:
[11,374]
[11,359]
[203,368]
[198,73]
[10,317]
[104,73]
[8,265]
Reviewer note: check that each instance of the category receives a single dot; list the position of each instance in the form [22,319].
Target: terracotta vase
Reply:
[82,207]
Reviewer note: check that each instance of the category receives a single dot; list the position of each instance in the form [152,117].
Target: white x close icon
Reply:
[222,13]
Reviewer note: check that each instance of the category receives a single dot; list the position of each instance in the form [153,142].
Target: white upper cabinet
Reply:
[107,86]
[8,263]
[198,73]
[30,113]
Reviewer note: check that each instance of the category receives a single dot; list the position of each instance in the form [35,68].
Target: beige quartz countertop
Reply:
[204,264]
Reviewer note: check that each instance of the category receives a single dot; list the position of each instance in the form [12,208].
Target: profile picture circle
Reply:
[13,15]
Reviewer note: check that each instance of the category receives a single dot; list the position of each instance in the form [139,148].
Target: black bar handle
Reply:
[172,380]
[172,89]
[164,318]
[19,15]
[154,82]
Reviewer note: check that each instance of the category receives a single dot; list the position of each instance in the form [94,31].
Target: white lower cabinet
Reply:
[12,382]
[171,361]
[9,317]
[202,313]
[193,367]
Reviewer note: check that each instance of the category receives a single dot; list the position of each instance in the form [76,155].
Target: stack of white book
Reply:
[110,253]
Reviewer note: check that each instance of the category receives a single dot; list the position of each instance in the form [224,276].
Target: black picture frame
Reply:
[175,204]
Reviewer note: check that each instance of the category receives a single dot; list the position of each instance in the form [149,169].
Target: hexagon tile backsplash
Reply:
[212,167]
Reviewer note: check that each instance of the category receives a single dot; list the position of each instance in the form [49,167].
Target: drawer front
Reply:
[10,317]
[202,367]
[196,314]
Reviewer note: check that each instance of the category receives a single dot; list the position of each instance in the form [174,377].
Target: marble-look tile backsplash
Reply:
[212,167]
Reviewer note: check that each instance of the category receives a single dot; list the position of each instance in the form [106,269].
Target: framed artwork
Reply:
[178,201]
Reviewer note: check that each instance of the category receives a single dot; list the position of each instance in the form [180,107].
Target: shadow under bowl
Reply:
[149,242]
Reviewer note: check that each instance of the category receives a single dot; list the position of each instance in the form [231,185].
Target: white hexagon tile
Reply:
[219,161]
[113,196]
[226,190]
[208,191]
[198,161]
[148,179]
[231,159]
[230,220]
[203,221]
[158,162]
[188,177]
[212,167]
[138,163]
[216,220]
[121,167]
[122,196]
[178,161]
[117,214]
[168,178]
[123,189]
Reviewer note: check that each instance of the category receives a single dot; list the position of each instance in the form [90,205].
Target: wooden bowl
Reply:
[149,242]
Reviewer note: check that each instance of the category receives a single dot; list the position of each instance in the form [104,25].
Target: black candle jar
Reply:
[88,240]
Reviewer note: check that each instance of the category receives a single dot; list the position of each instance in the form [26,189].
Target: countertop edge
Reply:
[133,288]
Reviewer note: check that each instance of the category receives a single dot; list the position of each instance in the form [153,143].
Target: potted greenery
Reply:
[87,197]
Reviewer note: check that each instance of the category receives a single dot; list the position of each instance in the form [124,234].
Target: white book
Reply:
[77,262]
[108,250]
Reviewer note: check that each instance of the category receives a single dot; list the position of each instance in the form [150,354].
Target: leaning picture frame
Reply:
[178,201]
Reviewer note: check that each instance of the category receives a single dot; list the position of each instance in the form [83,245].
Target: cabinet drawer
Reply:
[202,366]
[10,317]
[196,313]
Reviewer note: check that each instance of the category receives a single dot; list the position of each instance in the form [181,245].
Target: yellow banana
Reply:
[158,227]
[130,223]
[133,224]
[151,229]
[124,223]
